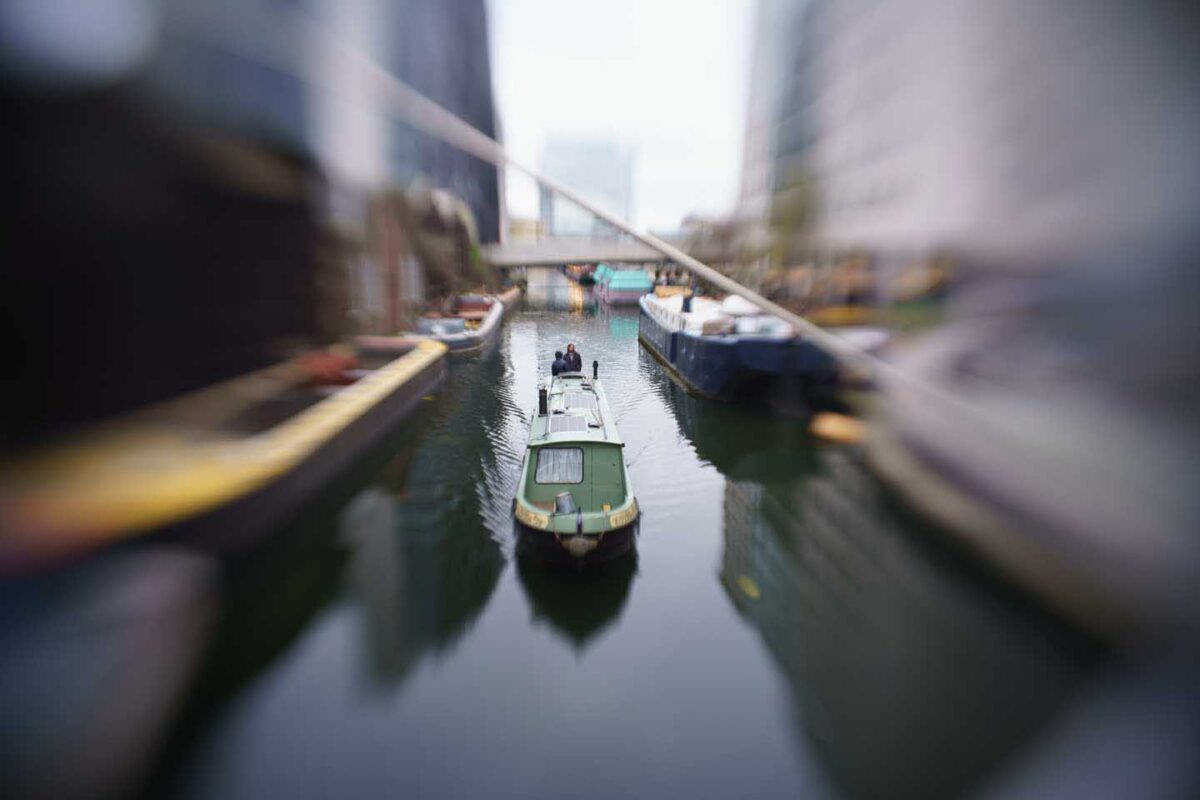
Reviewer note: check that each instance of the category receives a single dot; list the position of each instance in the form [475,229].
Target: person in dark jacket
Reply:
[559,365]
[573,359]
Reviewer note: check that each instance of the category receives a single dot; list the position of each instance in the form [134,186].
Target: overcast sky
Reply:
[666,77]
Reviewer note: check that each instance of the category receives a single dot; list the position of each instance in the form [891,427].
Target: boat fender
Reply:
[580,546]
[595,370]
[579,522]
[837,428]
[541,402]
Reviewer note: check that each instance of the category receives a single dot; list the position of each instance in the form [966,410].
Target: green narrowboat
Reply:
[575,499]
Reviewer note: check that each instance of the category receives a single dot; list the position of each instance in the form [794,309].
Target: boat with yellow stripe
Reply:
[220,466]
[575,501]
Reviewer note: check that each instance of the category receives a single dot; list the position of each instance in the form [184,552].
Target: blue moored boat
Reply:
[729,350]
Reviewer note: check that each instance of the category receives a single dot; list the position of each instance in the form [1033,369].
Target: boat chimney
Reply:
[564,503]
[541,402]
[595,370]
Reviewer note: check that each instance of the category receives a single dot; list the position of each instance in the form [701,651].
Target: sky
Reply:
[668,78]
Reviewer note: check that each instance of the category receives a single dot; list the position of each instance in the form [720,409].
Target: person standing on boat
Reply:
[573,359]
[559,365]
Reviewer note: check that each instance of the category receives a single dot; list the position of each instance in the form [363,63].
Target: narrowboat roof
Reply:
[578,412]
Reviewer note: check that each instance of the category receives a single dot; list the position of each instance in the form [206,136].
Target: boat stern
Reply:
[578,535]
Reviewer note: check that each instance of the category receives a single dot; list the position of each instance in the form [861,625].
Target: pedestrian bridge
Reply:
[568,250]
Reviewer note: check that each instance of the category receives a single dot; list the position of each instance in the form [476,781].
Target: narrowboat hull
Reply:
[790,372]
[574,502]
[556,547]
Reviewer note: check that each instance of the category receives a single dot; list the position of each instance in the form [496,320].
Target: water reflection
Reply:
[409,557]
[426,553]
[739,442]
[548,290]
[908,678]
[416,592]
[623,327]
[578,606]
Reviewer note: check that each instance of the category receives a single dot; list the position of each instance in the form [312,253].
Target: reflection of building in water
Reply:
[416,594]
[401,547]
[550,291]
[426,560]
[910,682]
[741,442]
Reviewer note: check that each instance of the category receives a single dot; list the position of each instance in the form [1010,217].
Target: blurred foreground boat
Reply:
[95,664]
[218,467]
[999,433]
[575,501]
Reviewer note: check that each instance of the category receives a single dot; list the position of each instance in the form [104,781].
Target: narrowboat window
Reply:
[559,465]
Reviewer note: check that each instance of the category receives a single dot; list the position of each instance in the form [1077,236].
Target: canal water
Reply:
[784,630]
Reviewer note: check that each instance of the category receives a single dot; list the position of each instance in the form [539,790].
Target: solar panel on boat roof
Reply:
[567,423]
[581,400]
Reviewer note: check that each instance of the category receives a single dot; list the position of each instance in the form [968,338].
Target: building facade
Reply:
[601,172]
[1021,134]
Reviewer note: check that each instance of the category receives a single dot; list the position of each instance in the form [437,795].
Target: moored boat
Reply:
[729,350]
[621,287]
[511,298]
[575,501]
[475,320]
[217,468]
